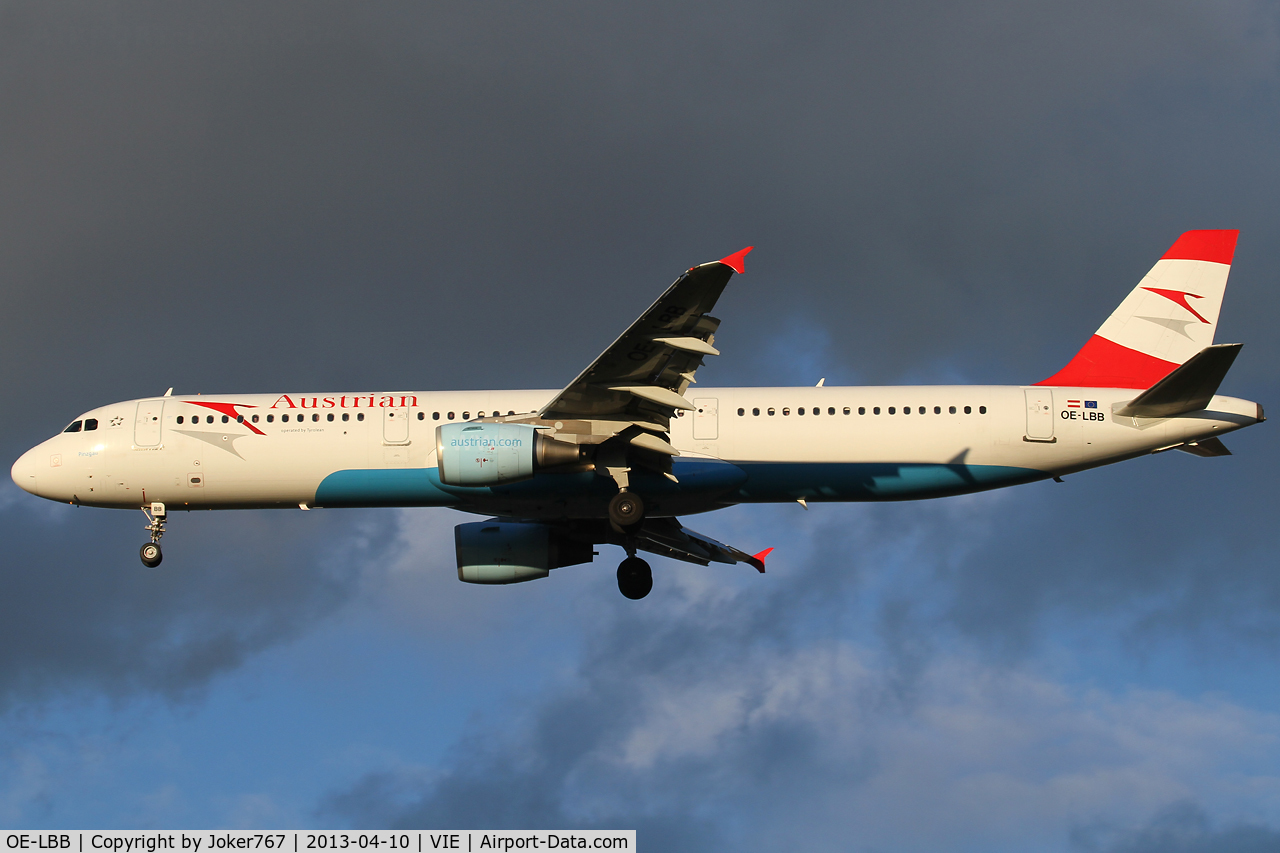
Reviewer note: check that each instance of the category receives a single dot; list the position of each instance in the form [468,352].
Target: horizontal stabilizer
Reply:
[1205,447]
[1189,388]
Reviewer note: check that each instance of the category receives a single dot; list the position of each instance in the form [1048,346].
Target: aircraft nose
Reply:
[23,472]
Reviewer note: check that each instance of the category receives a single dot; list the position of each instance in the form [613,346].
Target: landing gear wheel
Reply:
[626,511]
[634,578]
[150,554]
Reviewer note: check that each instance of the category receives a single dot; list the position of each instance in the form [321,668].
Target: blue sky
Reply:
[309,196]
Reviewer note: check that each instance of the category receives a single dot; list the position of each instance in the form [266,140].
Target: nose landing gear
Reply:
[150,552]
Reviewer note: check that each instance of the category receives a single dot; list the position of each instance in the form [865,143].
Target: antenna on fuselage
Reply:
[169,393]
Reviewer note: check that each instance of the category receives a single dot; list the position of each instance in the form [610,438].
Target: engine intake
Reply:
[495,552]
[488,454]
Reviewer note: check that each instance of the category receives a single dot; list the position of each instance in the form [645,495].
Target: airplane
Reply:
[626,448]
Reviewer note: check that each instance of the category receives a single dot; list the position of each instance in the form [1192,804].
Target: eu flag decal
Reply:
[1091,404]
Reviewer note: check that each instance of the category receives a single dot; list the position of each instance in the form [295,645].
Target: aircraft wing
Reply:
[643,375]
[666,537]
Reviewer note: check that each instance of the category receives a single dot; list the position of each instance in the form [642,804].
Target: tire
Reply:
[626,512]
[150,554]
[635,578]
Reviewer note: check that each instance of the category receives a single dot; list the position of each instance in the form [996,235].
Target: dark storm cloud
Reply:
[306,195]
[79,614]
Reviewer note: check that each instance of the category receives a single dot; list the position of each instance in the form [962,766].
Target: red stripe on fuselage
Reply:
[1105,364]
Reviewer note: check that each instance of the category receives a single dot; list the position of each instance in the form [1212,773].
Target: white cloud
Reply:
[1002,759]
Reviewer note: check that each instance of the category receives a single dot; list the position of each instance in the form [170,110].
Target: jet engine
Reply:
[491,454]
[510,552]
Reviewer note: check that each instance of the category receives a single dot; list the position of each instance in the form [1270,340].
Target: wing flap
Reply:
[667,537]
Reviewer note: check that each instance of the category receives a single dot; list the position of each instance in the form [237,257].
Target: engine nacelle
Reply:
[511,552]
[491,454]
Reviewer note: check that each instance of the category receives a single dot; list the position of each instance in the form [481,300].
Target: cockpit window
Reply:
[90,424]
[75,426]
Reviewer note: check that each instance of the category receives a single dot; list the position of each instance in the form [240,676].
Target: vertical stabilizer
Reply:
[1169,317]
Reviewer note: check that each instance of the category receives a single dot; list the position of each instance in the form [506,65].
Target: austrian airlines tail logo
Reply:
[1179,297]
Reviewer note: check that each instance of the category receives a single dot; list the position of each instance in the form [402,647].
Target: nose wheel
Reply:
[150,552]
[635,579]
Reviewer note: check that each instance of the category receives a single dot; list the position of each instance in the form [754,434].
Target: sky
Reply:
[249,197]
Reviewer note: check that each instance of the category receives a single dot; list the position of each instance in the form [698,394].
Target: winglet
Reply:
[737,261]
[758,559]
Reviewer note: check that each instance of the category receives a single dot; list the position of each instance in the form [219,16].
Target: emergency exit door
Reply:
[395,425]
[706,414]
[146,427]
[1039,414]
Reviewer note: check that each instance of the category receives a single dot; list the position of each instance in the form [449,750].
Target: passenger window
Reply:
[315,417]
[862,410]
[270,418]
[770,412]
[74,426]
[511,413]
[831,410]
[800,411]
[786,411]
[466,416]
[284,419]
[435,416]
[329,417]
[893,410]
[968,410]
[876,410]
[741,412]
[817,410]
[209,419]
[360,416]
[952,410]
[450,416]
[226,419]
[346,416]
[755,413]
[421,416]
[906,410]
[937,410]
[255,419]
[982,410]
[179,418]
[239,419]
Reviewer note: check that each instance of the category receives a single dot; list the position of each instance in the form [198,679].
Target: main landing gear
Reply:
[626,512]
[150,552]
[635,579]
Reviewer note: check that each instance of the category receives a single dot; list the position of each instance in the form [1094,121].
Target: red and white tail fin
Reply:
[1169,317]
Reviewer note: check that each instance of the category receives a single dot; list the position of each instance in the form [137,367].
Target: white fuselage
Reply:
[811,443]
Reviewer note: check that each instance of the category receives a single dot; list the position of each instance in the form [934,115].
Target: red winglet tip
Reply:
[766,552]
[737,261]
[1216,246]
